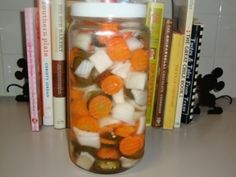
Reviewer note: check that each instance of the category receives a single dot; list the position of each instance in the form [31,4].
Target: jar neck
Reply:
[124,22]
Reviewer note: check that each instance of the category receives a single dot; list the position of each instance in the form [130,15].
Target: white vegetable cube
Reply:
[140,96]
[136,80]
[123,112]
[85,160]
[108,121]
[86,138]
[84,69]
[101,60]
[127,163]
[119,97]
[141,125]
[133,43]
[136,106]
[83,41]
[121,69]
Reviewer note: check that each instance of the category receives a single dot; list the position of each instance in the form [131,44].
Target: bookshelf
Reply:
[206,147]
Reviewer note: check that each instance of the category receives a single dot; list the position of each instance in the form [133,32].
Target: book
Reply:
[163,70]
[58,62]
[192,72]
[184,25]
[154,21]
[39,62]
[32,65]
[46,60]
[174,70]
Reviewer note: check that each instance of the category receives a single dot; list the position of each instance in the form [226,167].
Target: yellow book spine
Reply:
[154,21]
[173,80]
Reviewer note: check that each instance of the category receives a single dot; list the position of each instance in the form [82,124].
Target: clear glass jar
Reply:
[107,72]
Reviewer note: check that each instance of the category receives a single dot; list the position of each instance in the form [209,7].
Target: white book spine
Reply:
[31,50]
[46,59]
[58,64]
[189,9]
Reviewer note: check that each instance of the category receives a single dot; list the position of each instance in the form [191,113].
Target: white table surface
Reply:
[205,148]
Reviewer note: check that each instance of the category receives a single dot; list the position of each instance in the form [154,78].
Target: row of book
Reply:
[176,67]
[45,48]
[174,54]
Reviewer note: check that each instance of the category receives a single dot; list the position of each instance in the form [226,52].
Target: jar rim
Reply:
[108,10]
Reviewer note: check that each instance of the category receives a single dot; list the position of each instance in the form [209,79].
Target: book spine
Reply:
[163,70]
[154,21]
[187,38]
[173,80]
[31,49]
[192,71]
[58,62]
[46,60]
[39,68]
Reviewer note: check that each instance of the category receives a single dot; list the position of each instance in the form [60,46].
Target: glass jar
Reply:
[107,72]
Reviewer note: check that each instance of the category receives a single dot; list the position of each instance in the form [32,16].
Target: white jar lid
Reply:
[108,10]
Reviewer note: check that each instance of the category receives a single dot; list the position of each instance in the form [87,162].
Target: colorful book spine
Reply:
[192,72]
[173,80]
[32,64]
[46,60]
[154,21]
[163,70]
[58,63]
[185,26]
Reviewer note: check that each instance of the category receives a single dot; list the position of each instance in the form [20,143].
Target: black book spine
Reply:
[192,72]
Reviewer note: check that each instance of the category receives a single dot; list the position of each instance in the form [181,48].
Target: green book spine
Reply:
[154,21]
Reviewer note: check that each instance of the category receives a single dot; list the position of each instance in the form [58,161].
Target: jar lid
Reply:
[108,10]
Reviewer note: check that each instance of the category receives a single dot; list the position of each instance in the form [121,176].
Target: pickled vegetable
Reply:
[107,69]
[107,166]
[118,49]
[108,153]
[131,146]
[100,106]
[112,84]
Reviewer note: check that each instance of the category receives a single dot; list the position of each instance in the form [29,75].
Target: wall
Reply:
[10,43]
[219,41]
[218,48]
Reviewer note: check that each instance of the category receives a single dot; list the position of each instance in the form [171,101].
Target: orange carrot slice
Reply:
[117,49]
[139,60]
[112,84]
[76,94]
[100,106]
[107,141]
[73,121]
[125,131]
[79,108]
[102,76]
[108,153]
[87,123]
[109,26]
[106,31]
[131,145]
